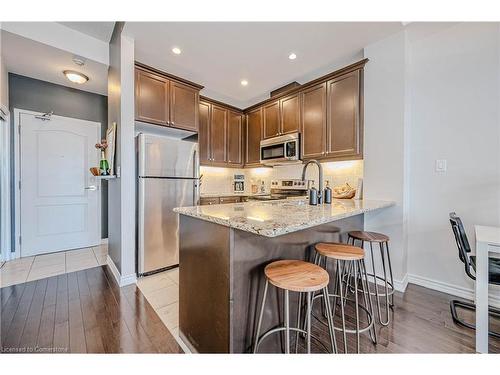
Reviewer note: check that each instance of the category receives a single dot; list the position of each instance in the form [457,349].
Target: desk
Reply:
[487,245]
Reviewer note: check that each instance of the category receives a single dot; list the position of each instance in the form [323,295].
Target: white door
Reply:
[60,199]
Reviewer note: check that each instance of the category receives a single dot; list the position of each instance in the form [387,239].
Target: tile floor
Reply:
[20,270]
[162,292]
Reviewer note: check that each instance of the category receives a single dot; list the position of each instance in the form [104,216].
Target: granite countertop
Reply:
[275,218]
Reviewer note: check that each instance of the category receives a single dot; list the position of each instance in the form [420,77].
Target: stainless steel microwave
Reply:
[284,149]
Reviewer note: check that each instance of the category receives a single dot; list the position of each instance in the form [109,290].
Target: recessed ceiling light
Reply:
[75,77]
[244,82]
[292,56]
[176,50]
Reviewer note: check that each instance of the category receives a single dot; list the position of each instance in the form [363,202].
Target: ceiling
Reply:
[37,60]
[218,55]
[98,30]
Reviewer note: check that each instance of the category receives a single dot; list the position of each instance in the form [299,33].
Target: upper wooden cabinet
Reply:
[220,135]
[184,102]
[204,132]
[313,124]
[235,138]
[343,106]
[163,100]
[290,114]
[281,116]
[151,98]
[253,137]
[272,126]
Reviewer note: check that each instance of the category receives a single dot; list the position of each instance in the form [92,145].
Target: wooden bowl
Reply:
[95,171]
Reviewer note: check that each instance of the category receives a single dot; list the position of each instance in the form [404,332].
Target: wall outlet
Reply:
[441,165]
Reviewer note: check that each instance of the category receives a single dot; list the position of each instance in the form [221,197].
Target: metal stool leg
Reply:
[333,340]
[390,272]
[299,309]
[356,307]
[259,323]
[308,296]
[368,300]
[287,322]
[339,277]
[386,321]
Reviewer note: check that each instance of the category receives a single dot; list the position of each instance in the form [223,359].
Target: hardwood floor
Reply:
[80,312]
[86,312]
[420,323]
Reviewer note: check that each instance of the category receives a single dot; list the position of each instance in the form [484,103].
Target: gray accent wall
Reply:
[35,95]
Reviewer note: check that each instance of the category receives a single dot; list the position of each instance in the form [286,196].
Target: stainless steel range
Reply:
[284,189]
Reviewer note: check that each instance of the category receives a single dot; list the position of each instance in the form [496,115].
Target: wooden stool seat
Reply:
[296,275]
[340,251]
[368,236]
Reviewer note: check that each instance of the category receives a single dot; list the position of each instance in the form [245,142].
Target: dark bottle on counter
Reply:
[327,194]
[313,195]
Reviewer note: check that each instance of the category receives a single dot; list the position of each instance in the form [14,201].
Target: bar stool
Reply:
[349,259]
[295,276]
[383,241]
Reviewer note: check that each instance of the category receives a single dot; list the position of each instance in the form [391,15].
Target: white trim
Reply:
[400,285]
[104,241]
[121,280]
[5,187]
[17,175]
[454,290]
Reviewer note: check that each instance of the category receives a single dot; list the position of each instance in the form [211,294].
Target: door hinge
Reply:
[19,184]
[19,240]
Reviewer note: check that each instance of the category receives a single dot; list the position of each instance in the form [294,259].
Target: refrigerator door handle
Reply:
[196,190]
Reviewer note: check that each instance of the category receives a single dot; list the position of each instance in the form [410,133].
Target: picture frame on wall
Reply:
[110,150]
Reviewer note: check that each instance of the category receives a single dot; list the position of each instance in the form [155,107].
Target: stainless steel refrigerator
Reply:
[168,177]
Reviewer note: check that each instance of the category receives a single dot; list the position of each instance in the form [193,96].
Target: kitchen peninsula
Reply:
[223,250]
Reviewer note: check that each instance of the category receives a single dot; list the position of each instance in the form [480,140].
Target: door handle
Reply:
[91,188]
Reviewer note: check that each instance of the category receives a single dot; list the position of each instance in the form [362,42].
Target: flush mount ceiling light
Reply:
[244,82]
[292,56]
[176,50]
[75,77]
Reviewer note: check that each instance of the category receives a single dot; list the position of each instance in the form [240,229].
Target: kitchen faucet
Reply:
[320,168]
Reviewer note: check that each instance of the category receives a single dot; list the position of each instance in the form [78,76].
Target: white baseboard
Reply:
[454,290]
[400,285]
[121,280]
[104,241]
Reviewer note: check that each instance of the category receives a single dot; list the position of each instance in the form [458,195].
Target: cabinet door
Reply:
[272,126]
[204,133]
[218,132]
[343,125]
[313,122]
[253,137]
[184,102]
[151,98]
[290,114]
[234,138]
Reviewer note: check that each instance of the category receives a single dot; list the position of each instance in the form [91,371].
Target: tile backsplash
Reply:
[220,180]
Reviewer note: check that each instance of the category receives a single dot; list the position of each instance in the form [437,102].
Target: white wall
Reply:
[121,193]
[454,75]
[4,79]
[385,155]
[432,92]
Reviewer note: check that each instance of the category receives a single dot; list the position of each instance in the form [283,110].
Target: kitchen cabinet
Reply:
[235,138]
[343,116]
[220,135]
[203,132]
[162,100]
[271,114]
[151,93]
[224,200]
[281,116]
[209,201]
[253,137]
[331,123]
[313,124]
[183,106]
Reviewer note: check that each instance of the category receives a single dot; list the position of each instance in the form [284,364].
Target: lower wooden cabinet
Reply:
[220,135]
[205,201]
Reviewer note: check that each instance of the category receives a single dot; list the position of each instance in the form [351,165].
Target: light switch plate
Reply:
[441,165]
